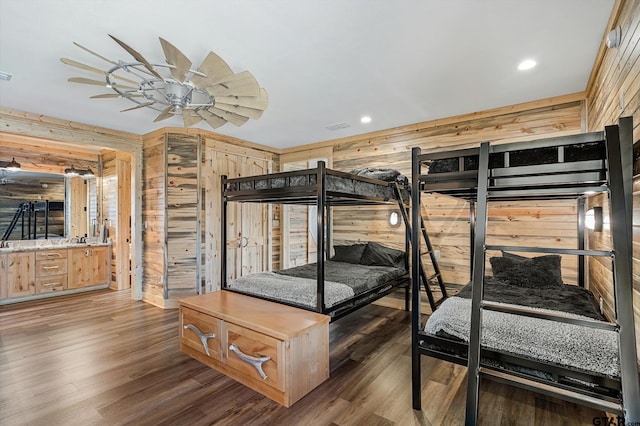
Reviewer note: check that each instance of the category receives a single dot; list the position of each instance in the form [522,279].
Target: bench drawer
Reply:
[200,332]
[255,355]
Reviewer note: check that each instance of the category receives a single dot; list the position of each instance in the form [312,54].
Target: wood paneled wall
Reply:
[615,92]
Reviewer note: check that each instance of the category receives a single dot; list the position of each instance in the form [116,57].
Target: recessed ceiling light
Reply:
[365,119]
[527,64]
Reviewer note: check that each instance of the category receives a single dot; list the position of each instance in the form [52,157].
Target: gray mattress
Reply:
[298,285]
[577,347]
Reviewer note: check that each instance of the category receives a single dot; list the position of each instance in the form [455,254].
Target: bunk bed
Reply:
[358,274]
[523,325]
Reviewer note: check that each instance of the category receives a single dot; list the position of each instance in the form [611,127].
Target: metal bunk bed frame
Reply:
[551,181]
[313,194]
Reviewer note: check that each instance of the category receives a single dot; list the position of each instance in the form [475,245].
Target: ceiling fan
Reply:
[212,92]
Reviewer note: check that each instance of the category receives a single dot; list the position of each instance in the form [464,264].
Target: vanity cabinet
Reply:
[21,274]
[51,270]
[89,266]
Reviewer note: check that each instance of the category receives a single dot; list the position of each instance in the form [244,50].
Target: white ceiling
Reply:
[322,62]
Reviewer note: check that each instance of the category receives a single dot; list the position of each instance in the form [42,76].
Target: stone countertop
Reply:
[18,247]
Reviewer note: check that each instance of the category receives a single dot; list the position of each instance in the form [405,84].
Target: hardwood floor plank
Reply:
[101,359]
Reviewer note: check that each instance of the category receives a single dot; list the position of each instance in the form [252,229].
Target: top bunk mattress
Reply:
[301,187]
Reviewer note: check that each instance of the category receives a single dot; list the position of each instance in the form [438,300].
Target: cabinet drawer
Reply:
[255,345]
[51,283]
[51,254]
[200,332]
[50,267]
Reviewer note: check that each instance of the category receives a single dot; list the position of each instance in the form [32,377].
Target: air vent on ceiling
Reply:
[338,126]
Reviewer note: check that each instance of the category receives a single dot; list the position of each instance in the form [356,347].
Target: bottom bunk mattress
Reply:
[576,347]
[298,285]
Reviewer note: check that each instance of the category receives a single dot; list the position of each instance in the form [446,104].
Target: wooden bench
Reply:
[277,350]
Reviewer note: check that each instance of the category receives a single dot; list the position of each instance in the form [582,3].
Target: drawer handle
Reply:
[255,362]
[203,337]
[54,284]
[54,254]
[51,267]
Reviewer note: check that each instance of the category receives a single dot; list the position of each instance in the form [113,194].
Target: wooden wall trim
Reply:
[458,119]
[50,128]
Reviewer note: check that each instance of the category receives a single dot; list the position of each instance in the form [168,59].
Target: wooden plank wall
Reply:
[183,215]
[615,92]
[447,219]
[153,219]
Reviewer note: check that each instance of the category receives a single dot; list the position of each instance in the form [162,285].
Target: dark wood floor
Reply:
[100,358]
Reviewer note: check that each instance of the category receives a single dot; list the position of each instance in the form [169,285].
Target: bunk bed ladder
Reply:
[620,199]
[426,279]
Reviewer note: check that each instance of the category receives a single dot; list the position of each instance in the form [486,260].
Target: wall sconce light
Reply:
[12,166]
[72,172]
[593,219]
[394,218]
[614,37]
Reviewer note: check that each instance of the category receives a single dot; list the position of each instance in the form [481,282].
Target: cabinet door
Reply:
[21,274]
[80,267]
[101,265]
[3,276]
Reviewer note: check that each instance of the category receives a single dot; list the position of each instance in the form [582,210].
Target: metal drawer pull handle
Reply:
[51,267]
[52,254]
[203,337]
[51,285]
[253,361]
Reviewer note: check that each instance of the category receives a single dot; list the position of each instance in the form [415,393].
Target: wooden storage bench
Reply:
[277,350]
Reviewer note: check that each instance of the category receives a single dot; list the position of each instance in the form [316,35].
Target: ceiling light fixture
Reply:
[365,119]
[213,92]
[527,64]
[85,173]
[71,172]
[5,76]
[11,166]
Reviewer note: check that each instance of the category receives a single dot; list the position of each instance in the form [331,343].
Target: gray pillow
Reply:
[538,272]
[379,255]
[349,253]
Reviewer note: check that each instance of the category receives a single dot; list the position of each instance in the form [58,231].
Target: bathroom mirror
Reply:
[43,206]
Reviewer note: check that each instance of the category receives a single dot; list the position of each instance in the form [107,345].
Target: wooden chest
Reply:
[280,351]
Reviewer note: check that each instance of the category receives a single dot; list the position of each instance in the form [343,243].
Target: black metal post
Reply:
[415,280]
[320,203]
[477,279]
[223,234]
[581,244]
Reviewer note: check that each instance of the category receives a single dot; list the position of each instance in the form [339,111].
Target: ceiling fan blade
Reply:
[97,83]
[255,102]
[176,58]
[95,54]
[215,68]
[190,117]
[146,104]
[114,95]
[166,113]
[212,120]
[137,56]
[242,111]
[242,84]
[235,119]
[93,69]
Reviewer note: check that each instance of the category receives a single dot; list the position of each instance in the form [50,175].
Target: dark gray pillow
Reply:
[538,272]
[377,254]
[513,256]
[349,253]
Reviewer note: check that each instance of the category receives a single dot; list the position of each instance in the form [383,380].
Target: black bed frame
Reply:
[486,181]
[313,192]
